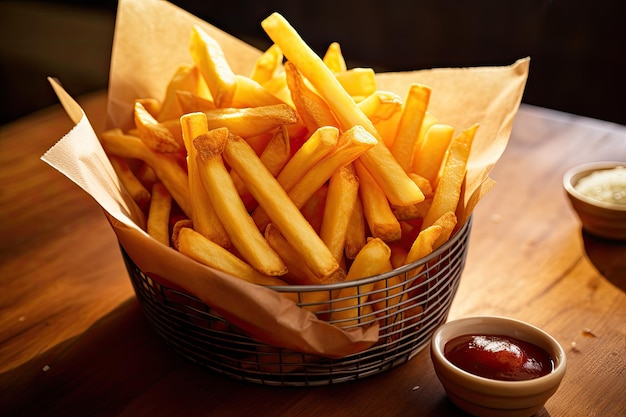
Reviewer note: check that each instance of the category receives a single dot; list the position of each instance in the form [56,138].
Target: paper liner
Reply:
[151,41]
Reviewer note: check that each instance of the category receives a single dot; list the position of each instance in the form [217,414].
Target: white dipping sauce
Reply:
[607,185]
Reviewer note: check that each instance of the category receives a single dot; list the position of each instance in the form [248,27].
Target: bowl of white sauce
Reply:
[597,192]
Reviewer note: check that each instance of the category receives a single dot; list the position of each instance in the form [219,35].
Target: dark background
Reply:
[577,47]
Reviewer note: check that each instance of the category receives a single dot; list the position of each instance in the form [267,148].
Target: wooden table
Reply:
[74,341]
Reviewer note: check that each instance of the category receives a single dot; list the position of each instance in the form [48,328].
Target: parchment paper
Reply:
[151,41]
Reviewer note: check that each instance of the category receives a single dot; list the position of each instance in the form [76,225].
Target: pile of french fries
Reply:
[302,172]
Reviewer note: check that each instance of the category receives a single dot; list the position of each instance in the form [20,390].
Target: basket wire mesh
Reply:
[412,302]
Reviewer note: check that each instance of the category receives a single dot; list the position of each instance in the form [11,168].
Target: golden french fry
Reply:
[210,60]
[277,152]
[205,219]
[355,236]
[198,247]
[151,104]
[159,214]
[252,121]
[423,183]
[316,147]
[333,58]
[348,305]
[420,209]
[423,245]
[380,162]
[448,189]
[359,83]
[192,103]
[166,166]
[186,78]
[382,222]
[176,228]
[405,142]
[278,86]
[447,221]
[146,175]
[156,136]
[267,65]
[351,144]
[138,192]
[277,204]
[249,93]
[343,192]
[313,209]
[429,156]
[229,208]
[398,254]
[311,108]
[381,105]
[274,156]
[298,271]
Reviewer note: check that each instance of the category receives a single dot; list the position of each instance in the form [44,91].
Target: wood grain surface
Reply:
[74,341]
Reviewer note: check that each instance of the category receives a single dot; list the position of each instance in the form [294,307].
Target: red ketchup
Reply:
[498,357]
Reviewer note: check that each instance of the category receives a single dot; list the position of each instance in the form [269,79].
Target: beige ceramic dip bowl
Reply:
[485,397]
[585,184]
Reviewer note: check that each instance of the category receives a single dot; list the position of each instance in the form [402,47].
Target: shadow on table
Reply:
[608,256]
[99,373]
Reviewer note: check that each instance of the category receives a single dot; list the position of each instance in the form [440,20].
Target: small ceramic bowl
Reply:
[486,397]
[603,219]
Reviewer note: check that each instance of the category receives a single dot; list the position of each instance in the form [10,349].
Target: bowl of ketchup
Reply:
[497,366]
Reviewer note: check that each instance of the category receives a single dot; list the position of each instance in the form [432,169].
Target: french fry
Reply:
[298,271]
[447,222]
[313,209]
[166,167]
[186,78]
[229,208]
[138,192]
[151,104]
[209,57]
[281,210]
[249,93]
[448,189]
[312,109]
[333,58]
[176,228]
[423,245]
[267,65]
[192,103]
[274,156]
[198,247]
[382,222]
[316,148]
[379,161]
[359,83]
[278,86]
[351,145]
[355,236]
[343,191]
[252,121]
[420,209]
[405,142]
[158,221]
[430,155]
[156,136]
[380,106]
[350,307]
[205,219]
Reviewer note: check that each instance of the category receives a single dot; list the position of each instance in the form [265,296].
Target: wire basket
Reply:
[415,301]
